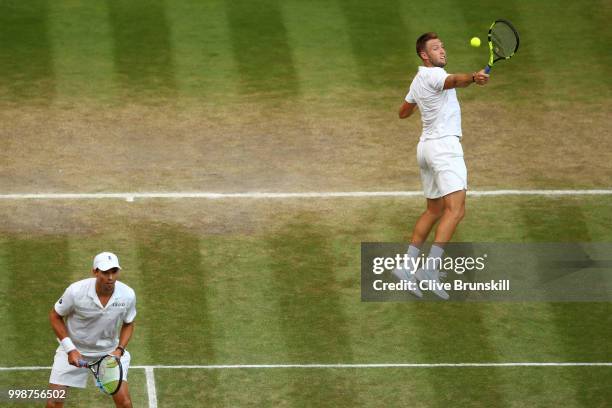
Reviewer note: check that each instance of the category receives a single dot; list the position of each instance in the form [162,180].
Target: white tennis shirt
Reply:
[439,107]
[93,328]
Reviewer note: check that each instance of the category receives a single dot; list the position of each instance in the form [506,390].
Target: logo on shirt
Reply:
[60,301]
[118,304]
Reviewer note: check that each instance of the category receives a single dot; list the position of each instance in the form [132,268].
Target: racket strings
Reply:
[109,374]
[101,371]
[504,40]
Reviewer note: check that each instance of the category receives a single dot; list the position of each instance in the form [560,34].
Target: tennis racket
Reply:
[107,371]
[503,42]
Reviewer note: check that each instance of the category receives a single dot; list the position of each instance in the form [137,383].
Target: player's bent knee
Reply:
[461,213]
[456,213]
[434,213]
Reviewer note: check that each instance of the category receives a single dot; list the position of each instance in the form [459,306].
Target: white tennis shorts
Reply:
[442,167]
[63,373]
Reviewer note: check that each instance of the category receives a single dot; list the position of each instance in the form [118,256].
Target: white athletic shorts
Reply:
[63,373]
[442,167]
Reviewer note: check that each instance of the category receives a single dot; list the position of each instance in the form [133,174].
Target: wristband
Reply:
[473,77]
[68,345]
[122,350]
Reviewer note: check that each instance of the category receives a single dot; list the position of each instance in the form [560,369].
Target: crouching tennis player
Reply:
[439,153]
[93,317]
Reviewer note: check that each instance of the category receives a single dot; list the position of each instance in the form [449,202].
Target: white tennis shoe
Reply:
[433,276]
[405,275]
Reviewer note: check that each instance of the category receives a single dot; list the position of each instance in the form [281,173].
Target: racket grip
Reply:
[83,363]
[487,69]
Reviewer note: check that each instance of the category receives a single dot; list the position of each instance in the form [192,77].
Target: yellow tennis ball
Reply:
[475,42]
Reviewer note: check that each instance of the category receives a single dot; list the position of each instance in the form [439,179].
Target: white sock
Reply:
[412,254]
[413,251]
[435,254]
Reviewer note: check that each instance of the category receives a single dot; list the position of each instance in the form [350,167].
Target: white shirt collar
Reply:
[91,292]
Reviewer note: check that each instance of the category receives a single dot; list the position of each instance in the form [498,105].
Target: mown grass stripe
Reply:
[313,321]
[553,34]
[323,66]
[37,271]
[573,323]
[6,321]
[177,291]
[142,49]
[261,48]
[82,51]
[201,47]
[377,41]
[26,60]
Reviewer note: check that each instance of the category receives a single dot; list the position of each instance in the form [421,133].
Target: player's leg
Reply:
[122,397]
[64,375]
[426,220]
[454,211]
[451,180]
[446,158]
[57,402]
[435,204]
[423,226]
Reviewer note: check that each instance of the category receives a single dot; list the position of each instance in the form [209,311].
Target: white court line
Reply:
[375,365]
[130,196]
[31,368]
[151,390]
[357,365]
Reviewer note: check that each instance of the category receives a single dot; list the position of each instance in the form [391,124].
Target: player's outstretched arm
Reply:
[465,80]
[406,109]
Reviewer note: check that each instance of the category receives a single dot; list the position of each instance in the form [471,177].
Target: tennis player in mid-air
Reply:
[94,317]
[439,153]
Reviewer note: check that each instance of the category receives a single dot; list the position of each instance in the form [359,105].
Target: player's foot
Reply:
[404,274]
[434,277]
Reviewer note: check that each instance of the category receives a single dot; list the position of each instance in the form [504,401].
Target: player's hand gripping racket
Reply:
[503,42]
[107,371]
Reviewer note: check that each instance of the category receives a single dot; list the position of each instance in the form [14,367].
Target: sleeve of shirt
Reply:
[65,305]
[436,79]
[410,97]
[131,312]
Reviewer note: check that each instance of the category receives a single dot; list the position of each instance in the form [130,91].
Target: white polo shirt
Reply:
[439,107]
[93,328]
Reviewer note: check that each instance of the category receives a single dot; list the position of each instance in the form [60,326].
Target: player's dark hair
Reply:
[422,40]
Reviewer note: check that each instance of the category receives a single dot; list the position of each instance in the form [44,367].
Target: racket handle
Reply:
[83,363]
[487,69]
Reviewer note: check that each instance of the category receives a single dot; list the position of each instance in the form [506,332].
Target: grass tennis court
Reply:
[285,291]
[293,96]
